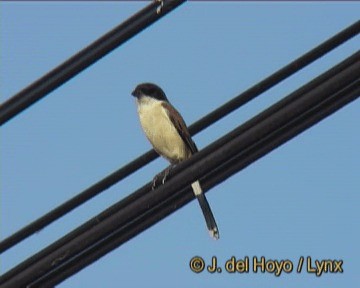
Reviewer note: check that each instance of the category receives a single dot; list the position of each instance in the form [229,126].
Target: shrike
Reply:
[169,135]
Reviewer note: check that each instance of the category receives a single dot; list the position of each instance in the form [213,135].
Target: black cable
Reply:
[76,201]
[88,225]
[287,131]
[119,237]
[265,145]
[278,76]
[133,197]
[85,58]
[201,124]
[200,164]
[320,112]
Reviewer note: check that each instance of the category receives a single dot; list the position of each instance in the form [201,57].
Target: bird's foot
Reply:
[160,7]
[162,176]
[155,181]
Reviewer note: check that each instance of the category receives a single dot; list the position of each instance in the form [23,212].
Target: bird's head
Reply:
[149,90]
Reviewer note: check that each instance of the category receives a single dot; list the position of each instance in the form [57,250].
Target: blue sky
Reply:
[300,200]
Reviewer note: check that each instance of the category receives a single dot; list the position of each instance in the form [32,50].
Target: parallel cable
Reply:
[265,145]
[55,246]
[320,112]
[85,58]
[127,212]
[119,237]
[201,124]
[95,249]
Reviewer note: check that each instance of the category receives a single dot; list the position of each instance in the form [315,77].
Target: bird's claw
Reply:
[154,182]
[160,7]
[166,174]
[162,175]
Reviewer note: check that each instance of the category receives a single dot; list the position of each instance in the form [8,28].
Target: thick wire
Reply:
[201,124]
[200,164]
[88,225]
[332,102]
[58,244]
[320,112]
[119,237]
[277,137]
[85,58]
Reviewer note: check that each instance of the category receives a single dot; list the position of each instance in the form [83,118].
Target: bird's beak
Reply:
[134,93]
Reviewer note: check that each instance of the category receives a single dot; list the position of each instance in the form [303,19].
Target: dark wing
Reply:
[180,126]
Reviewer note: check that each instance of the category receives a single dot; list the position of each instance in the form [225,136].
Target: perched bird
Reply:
[169,135]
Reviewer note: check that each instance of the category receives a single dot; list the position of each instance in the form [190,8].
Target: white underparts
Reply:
[160,131]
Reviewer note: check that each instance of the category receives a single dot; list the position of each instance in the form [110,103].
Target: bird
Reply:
[167,132]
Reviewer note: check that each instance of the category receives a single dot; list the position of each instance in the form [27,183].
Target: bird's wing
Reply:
[180,126]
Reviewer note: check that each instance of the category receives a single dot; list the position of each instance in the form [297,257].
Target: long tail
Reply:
[205,207]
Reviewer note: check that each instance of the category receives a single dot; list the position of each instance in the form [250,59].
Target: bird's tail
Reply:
[205,207]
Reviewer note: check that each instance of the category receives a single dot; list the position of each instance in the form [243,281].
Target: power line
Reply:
[339,100]
[124,219]
[283,73]
[85,58]
[201,124]
[329,97]
[320,112]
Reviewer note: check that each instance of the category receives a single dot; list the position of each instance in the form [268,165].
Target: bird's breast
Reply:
[161,132]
